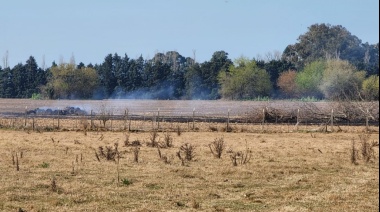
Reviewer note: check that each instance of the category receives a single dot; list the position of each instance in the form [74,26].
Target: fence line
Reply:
[195,121]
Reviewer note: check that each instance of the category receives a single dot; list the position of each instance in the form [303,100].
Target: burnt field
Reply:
[124,113]
[243,111]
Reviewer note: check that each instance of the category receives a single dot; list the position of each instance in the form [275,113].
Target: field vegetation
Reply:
[183,170]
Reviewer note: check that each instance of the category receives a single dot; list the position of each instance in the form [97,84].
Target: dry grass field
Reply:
[275,170]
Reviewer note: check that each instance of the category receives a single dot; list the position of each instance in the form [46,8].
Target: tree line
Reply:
[327,62]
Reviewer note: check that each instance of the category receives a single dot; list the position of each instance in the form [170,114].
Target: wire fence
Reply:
[305,117]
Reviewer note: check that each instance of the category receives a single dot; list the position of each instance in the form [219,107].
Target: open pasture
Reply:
[59,171]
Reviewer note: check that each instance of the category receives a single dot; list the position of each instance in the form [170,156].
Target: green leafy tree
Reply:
[309,79]
[8,88]
[35,77]
[341,80]
[107,80]
[274,68]
[194,83]
[370,88]
[173,85]
[6,83]
[323,41]
[19,80]
[134,76]
[202,79]
[370,63]
[156,81]
[244,81]
[68,82]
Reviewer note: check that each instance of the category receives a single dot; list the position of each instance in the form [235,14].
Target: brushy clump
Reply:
[109,153]
[367,150]
[136,153]
[213,128]
[53,185]
[241,157]
[153,139]
[168,141]
[179,131]
[164,157]
[217,147]
[126,140]
[186,153]
[354,153]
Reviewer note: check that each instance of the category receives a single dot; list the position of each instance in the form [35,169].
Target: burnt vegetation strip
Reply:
[250,118]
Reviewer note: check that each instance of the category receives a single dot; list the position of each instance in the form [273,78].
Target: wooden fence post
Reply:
[366,120]
[26,115]
[125,118]
[298,118]
[228,121]
[59,111]
[91,120]
[158,118]
[332,119]
[193,118]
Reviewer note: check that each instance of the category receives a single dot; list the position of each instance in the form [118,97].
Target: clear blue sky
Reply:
[91,29]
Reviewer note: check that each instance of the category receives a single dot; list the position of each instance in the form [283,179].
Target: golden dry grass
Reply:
[287,172]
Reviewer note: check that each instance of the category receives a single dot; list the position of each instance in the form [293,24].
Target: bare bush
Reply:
[84,124]
[367,150]
[126,140]
[109,153]
[217,147]
[153,139]
[213,128]
[179,130]
[354,153]
[53,185]
[168,141]
[136,143]
[241,157]
[186,153]
[136,153]
[164,157]
[105,114]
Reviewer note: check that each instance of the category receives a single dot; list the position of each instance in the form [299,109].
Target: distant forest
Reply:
[327,62]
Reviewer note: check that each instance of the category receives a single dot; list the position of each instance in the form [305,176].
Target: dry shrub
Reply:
[13,159]
[84,124]
[241,157]
[227,129]
[213,128]
[217,147]
[179,130]
[164,157]
[153,139]
[367,150]
[109,153]
[354,153]
[53,185]
[168,141]
[126,140]
[186,153]
[17,163]
[105,115]
[195,204]
[136,143]
[136,153]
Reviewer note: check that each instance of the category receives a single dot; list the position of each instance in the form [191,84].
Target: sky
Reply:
[89,30]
